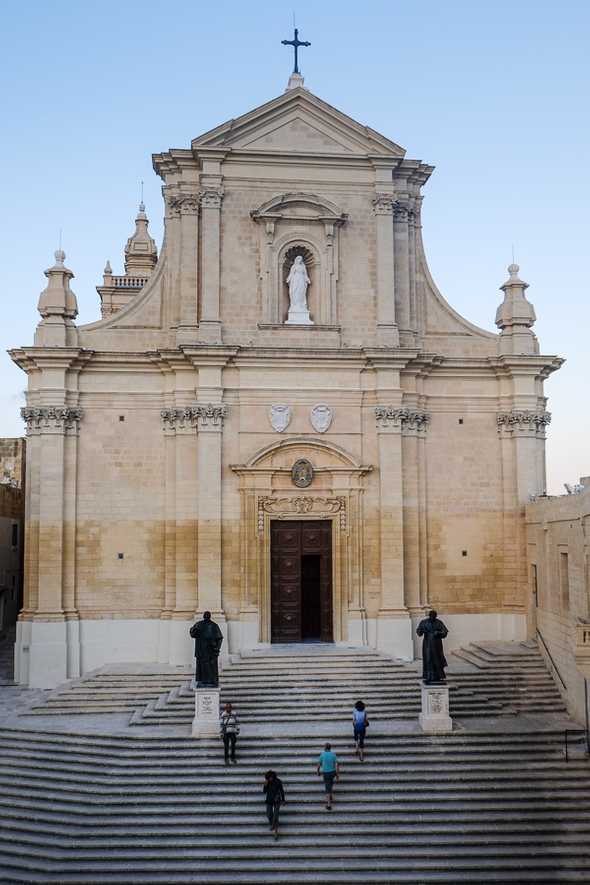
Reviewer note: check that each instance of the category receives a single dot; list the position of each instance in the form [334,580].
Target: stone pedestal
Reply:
[206,721]
[434,718]
[298,318]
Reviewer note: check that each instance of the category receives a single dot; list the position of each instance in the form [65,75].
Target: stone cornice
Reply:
[51,419]
[526,364]
[523,421]
[406,420]
[193,418]
[30,358]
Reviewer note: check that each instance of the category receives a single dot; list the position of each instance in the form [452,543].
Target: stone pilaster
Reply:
[522,438]
[387,331]
[393,625]
[183,221]
[414,424]
[402,270]
[50,584]
[210,319]
[210,436]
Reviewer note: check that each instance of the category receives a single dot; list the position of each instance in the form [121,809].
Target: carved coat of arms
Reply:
[302,473]
[280,416]
[321,417]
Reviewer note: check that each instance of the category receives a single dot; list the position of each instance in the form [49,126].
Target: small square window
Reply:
[121,417]
[463,552]
[120,556]
[460,420]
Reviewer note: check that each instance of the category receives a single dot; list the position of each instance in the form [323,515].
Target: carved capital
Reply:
[523,421]
[51,419]
[211,416]
[211,197]
[383,204]
[406,420]
[401,212]
[178,420]
[192,418]
[183,204]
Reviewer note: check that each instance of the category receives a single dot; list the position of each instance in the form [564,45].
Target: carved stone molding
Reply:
[520,421]
[51,419]
[312,506]
[383,204]
[407,420]
[193,418]
[211,198]
[184,204]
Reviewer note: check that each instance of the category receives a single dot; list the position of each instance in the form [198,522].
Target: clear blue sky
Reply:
[495,95]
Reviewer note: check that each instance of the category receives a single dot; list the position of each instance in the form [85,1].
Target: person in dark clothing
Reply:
[229,730]
[360,723]
[208,638]
[433,658]
[274,796]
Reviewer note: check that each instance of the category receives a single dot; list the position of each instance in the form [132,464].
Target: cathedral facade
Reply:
[279,419]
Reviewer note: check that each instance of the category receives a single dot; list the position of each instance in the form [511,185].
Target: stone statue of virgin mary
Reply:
[298,281]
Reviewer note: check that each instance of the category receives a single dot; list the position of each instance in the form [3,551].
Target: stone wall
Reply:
[558,554]
[12,462]
[12,507]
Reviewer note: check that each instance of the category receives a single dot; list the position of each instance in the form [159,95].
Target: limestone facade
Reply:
[162,438]
[558,555]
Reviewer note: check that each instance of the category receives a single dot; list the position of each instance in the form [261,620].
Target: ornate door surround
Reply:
[267,493]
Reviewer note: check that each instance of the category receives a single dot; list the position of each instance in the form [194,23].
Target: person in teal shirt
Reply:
[329,767]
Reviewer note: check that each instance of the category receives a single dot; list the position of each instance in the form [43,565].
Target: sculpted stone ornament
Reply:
[433,659]
[298,281]
[208,638]
[302,473]
[280,416]
[321,417]
[51,418]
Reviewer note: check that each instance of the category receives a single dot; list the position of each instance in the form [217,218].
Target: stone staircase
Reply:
[497,679]
[477,808]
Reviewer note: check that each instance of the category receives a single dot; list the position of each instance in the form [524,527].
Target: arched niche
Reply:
[304,224]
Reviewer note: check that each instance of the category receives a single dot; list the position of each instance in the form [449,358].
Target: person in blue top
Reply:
[329,767]
[359,726]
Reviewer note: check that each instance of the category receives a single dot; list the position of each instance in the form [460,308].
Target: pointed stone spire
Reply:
[58,307]
[141,254]
[515,317]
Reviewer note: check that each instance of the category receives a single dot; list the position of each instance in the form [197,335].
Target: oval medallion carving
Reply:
[302,473]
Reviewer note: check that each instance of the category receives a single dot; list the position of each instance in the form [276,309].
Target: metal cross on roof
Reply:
[296,43]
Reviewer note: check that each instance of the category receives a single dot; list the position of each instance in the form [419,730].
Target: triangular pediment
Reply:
[298,122]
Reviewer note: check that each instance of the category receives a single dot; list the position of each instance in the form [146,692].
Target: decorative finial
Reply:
[60,256]
[108,270]
[296,43]
[513,270]
[141,254]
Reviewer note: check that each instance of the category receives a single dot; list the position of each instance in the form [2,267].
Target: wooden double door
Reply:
[301,581]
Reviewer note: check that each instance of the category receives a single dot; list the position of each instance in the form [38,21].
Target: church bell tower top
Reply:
[141,253]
